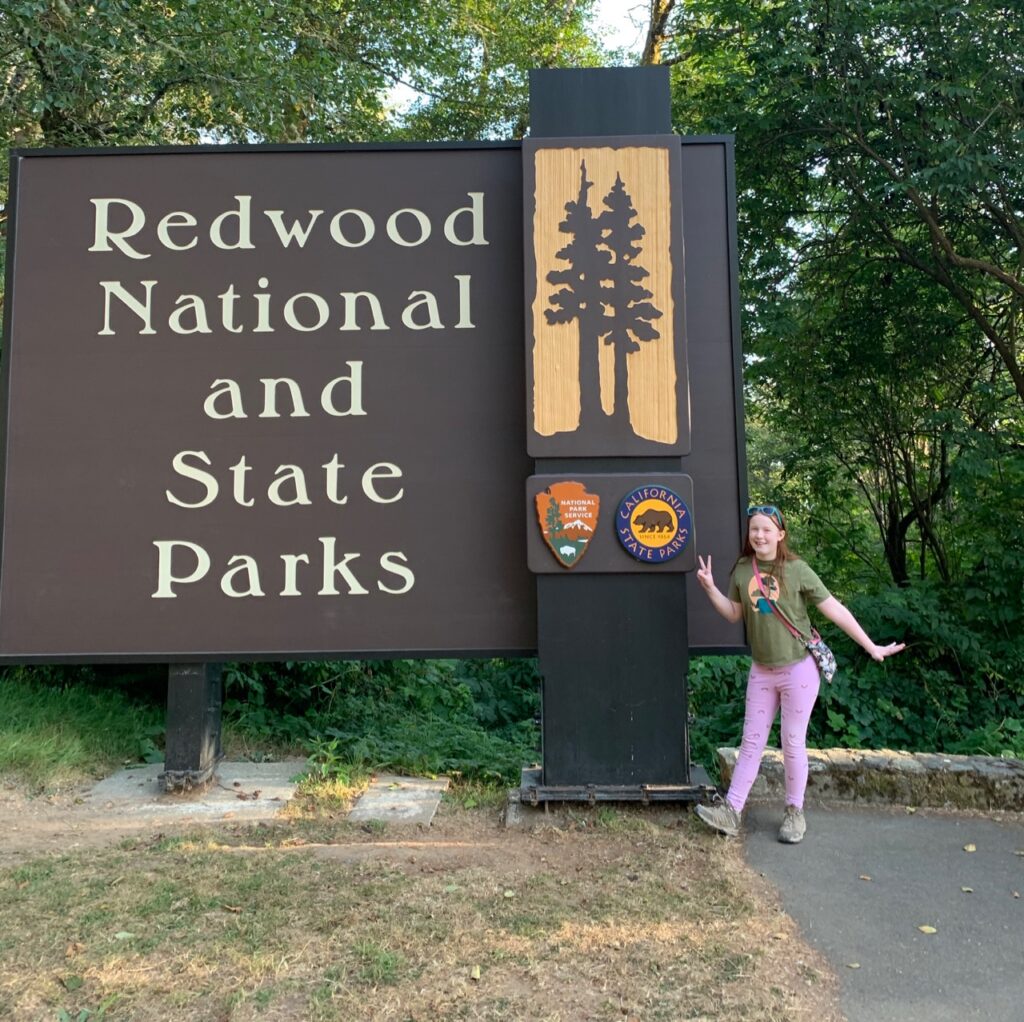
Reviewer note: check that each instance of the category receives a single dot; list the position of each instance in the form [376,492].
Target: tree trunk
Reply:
[656,31]
[621,408]
[590,374]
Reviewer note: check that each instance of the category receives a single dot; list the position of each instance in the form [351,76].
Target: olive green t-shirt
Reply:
[771,642]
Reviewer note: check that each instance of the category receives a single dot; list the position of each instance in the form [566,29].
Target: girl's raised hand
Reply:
[881,652]
[704,576]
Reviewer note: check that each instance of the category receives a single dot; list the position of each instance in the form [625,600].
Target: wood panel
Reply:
[585,204]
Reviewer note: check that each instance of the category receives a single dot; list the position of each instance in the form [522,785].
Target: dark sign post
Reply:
[267,403]
[193,744]
[612,647]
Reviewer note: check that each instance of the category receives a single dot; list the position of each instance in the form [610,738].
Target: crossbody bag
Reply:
[823,656]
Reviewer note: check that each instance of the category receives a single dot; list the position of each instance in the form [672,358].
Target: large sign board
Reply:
[269,403]
[265,403]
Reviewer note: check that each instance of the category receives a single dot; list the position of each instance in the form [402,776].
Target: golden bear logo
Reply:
[653,524]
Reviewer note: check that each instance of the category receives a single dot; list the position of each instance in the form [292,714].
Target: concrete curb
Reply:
[889,776]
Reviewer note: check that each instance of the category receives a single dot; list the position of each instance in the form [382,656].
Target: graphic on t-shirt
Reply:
[757,600]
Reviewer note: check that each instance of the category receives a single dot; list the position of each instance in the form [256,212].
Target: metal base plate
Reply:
[532,792]
[186,780]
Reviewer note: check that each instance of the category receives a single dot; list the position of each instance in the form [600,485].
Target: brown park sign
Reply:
[251,404]
[270,403]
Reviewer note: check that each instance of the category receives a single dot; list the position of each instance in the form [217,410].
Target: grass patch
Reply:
[314,921]
[317,795]
[470,719]
[378,964]
[53,736]
[471,794]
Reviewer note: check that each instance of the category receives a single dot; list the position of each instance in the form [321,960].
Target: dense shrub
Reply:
[473,717]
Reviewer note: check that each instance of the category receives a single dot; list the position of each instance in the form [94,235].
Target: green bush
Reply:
[958,686]
[474,717]
[717,691]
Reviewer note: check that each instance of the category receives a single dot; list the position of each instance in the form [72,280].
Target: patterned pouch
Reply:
[823,656]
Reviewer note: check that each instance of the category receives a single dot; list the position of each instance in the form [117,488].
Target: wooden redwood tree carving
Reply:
[602,275]
[581,296]
[631,311]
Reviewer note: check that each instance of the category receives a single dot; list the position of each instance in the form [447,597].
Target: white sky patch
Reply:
[622,24]
[400,98]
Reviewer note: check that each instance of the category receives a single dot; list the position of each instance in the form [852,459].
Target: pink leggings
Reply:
[796,686]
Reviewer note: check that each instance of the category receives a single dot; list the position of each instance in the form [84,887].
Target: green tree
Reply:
[880,221]
[905,116]
[138,72]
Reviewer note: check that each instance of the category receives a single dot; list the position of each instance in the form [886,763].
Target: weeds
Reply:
[473,718]
[52,736]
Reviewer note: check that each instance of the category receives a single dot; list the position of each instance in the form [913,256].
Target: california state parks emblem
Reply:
[568,520]
[653,524]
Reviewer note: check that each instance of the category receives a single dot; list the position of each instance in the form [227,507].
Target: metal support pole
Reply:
[193,747]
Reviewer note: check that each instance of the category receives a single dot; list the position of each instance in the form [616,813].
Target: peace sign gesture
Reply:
[704,576]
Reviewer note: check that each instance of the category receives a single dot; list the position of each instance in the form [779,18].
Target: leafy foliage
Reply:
[880,218]
[958,688]
[473,718]
[897,119]
[717,691]
[117,73]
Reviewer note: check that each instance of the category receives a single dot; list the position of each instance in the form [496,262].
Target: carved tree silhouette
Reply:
[581,296]
[631,312]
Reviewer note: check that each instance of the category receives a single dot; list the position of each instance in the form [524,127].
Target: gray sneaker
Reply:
[722,818]
[794,826]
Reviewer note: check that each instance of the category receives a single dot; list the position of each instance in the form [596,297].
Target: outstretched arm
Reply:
[727,608]
[838,614]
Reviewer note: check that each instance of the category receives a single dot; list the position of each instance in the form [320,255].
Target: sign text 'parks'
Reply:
[265,402]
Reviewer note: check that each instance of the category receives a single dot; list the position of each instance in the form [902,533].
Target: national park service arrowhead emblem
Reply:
[568,520]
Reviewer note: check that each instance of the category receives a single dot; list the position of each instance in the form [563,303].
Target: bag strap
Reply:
[764,592]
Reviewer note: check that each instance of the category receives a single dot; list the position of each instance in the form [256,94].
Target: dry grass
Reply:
[600,915]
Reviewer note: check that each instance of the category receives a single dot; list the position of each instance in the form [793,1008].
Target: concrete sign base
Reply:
[239,791]
[391,799]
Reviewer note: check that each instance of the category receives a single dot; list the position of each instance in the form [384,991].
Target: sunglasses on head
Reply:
[766,509]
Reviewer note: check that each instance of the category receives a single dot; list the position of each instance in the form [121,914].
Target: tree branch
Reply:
[657,31]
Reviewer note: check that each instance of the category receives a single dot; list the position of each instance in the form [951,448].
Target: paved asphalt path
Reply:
[972,967]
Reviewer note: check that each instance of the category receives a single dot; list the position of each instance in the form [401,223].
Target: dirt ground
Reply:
[67,821]
[613,913]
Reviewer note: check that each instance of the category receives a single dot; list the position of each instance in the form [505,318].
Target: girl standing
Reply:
[783,672]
